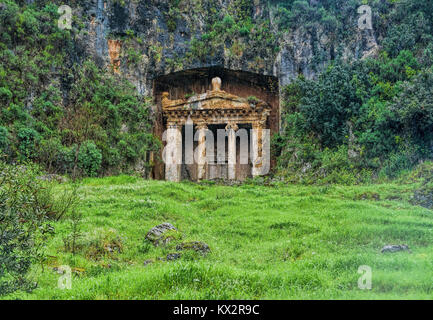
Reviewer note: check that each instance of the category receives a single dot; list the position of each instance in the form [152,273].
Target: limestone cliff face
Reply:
[308,53]
[144,39]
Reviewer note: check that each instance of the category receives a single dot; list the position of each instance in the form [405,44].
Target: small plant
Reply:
[71,241]
[173,15]
[189,95]
[133,56]
[253,100]
[102,244]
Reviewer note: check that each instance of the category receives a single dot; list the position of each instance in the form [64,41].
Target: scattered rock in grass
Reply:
[368,196]
[148,261]
[173,256]
[78,271]
[197,246]
[394,198]
[111,247]
[62,270]
[161,234]
[395,248]
[57,270]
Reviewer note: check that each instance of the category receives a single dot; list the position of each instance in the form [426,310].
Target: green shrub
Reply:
[126,150]
[115,112]
[55,157]
[380,107]
[89,158]
[5,95]
[4,141]
[398,162]
[414,109]
[113,158]
[228,22]
[28,139]
[65,159]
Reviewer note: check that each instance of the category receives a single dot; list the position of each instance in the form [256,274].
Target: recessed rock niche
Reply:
[231,105]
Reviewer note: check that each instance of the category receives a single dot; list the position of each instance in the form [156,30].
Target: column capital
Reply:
[201,125]
[172,124]
[258,124]
[231,126]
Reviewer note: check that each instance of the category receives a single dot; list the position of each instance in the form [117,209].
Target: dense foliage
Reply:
[355,121]
[368,118]
[68,115]
[28,207]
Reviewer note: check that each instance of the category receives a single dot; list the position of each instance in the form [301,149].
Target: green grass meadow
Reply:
[267,242]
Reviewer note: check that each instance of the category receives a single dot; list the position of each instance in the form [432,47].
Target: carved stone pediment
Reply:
[213,99]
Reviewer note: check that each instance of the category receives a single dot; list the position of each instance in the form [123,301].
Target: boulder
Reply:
[161,234]
[395,248]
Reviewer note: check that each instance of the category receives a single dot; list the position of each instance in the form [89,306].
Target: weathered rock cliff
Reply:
[145,39]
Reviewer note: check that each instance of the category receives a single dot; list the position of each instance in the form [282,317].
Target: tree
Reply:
[27,206]
[414,108]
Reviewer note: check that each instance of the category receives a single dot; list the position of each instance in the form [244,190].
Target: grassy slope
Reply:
[290,242]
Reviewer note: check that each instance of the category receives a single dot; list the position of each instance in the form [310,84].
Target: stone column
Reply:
[173,155]
[201,151]
[257,148]
[231,129]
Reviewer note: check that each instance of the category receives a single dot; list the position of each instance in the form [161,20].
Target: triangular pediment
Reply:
[213,99]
